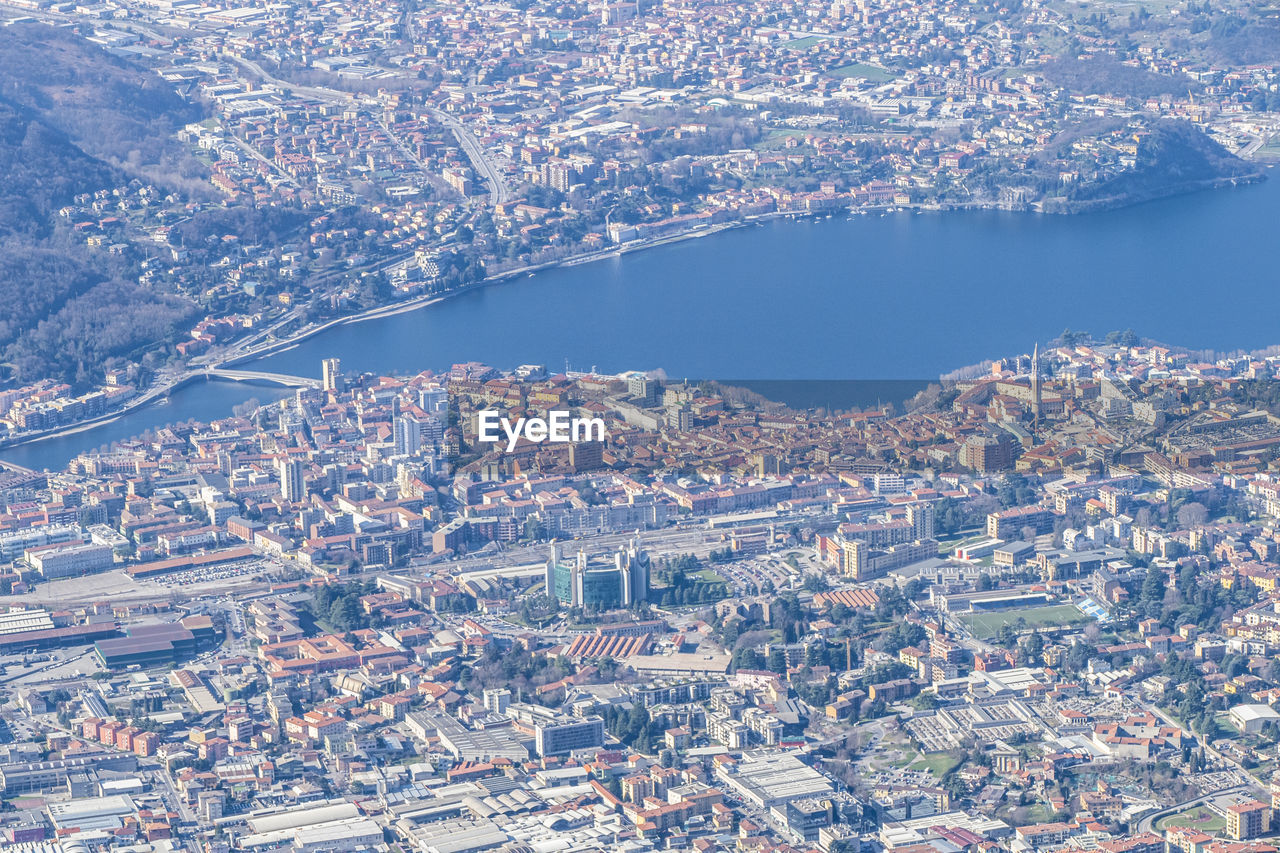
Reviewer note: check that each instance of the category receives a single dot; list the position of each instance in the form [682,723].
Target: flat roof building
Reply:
[152,645]
[769,778]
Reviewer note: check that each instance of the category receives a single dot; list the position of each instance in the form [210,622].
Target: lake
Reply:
[903,296]
[874,306]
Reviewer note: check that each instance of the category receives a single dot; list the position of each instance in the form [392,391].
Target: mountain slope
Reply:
[104,104]
[75,120]
[43,171]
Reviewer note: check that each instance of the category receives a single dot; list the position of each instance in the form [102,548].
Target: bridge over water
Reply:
[263,376]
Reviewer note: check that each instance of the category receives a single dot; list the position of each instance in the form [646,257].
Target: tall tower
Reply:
[331,370]
[1035,386]
[293,485]
[632,565]
[407,431]
[922,518]
[550,578]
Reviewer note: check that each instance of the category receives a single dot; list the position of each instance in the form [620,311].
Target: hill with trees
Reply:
[1108,76]
[112,109]
[76,120]
[43,170]
[1174,157]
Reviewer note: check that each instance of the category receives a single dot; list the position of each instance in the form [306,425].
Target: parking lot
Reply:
[782,569]
[246,570]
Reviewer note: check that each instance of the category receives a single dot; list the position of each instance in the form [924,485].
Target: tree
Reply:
[746,658]
[777,661]
[1126,338]
[1069,338]
[1152,595]
[815,583]
[1032,649]
[1192,514]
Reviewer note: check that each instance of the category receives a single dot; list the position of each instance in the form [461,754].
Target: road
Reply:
[318,92]
[254,153]
[499,192]
[1144,825]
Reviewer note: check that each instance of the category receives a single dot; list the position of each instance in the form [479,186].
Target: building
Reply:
[805,818]
[988,453]
[292,485]
[331,371]
[861,562]
[564,735]
[767,779]
[1250,719]
[921,518]
[33,777]
[1009,523]
[586,455]
[408,435]
[1248,820]
[65,561]
[153,645]
[14,543]
[1036,391]
[602,585]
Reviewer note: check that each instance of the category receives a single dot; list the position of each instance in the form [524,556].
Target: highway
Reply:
[499,192]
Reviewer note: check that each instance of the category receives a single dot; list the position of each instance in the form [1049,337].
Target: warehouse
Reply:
[152,645]
[767,779]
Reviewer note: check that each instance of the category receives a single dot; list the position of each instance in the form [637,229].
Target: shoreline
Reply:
[425,300]
[136,404]
[414,303]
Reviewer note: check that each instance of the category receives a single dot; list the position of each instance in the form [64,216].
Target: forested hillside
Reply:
[110,108]
[42,169]
[75,120]
[1176,157]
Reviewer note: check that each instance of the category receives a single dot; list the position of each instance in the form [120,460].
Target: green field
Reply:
[1202,818]
[858,69]
[804,43]
[937,763]
[984,625]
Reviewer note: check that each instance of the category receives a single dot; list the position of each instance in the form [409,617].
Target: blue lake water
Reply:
[903,296]
[200,401]
[898,298]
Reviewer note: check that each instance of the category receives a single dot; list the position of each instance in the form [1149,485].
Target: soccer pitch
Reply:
[984,625]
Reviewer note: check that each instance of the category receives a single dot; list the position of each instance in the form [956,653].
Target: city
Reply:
[1033,611]
[307,166]
[539,426]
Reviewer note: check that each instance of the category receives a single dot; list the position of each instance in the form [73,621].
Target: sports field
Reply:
[803,43]
[984,625]
[937,763]
[858,69]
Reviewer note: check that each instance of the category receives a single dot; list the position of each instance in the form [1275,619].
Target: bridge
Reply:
[263,376]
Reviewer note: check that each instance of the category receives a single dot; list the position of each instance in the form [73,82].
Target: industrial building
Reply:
[152,645]
[767,779]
